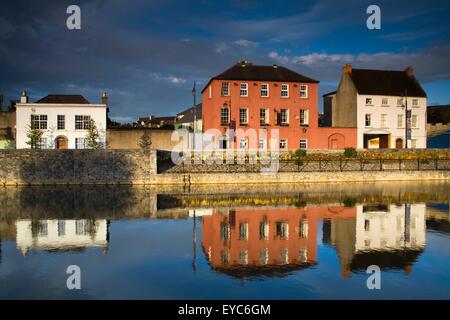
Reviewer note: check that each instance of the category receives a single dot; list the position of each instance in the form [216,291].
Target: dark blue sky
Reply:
[146,54]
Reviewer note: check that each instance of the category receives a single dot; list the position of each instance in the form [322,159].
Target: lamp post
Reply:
[195,116]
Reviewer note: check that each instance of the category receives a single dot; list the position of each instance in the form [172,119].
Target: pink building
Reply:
[267,107]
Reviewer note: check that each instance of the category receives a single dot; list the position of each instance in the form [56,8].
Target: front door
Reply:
[61,143]
[399,143]
[384,141]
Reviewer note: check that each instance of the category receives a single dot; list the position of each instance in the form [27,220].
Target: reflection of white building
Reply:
[200,212]
[380,227]
[61,234]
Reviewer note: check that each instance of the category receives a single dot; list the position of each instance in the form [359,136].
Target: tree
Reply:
[93,137]
[34,135]
[145,141]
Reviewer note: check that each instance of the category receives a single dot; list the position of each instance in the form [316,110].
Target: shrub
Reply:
[350,153]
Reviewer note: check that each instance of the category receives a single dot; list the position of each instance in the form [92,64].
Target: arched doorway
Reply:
[61,142]
[399,143]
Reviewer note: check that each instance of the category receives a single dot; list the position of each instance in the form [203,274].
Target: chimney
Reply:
[1,102]
[104,98]
[275,66]
[347,68]
[24,97]
[409,71]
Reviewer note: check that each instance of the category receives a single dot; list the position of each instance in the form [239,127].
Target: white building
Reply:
[56,235]
[377,102]
[64,120]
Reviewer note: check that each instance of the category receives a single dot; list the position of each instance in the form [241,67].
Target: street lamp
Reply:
[195,116]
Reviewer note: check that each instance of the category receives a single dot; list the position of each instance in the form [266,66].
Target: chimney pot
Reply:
[24,97]
[347,68]
[275,66]
[409,71]
[104,98]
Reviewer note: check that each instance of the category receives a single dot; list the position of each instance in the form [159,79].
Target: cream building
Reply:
[379,103]
[64,120]
[61,234]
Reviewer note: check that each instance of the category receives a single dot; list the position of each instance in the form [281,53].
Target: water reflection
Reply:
[258,235]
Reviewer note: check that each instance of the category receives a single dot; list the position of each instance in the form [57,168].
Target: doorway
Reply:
[61,143]
[399,143]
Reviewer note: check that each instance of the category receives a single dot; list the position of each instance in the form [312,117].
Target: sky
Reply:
[147,54]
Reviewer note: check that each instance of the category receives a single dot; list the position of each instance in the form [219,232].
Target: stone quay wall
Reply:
[136,167]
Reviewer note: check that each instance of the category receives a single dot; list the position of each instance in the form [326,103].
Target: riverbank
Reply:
[135,167]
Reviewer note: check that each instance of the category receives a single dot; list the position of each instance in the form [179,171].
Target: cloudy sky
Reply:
[147,53]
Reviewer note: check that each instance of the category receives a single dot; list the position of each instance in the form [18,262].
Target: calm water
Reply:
[254,242]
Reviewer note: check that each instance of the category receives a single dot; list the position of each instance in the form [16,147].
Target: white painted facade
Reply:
[391,229]
[61,234]
[24,110]
[390,124]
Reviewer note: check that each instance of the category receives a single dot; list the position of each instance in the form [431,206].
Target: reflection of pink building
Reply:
[265,98]
[264,241]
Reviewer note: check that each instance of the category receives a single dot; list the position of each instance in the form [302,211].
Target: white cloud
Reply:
[246,43]
[176,80]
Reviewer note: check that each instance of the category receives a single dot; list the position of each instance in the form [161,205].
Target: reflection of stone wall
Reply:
[46,167]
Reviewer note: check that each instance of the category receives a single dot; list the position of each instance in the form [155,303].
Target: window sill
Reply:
[304,125]
[284,124]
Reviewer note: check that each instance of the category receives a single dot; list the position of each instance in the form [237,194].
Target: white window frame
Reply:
[266,85]
[283,141]
[245,115]
[85,122]
[286,90]
[39,121]
[399,102]
[415,102]
[59,121]
[243,143]
[382,101]
[225,86]
[287,117]
[305,121]
[262,144]
[305,141]
[414,124]
[243,87]
[266,117]
[77,143]
[383,120]
[369,101]
[400,121]
[222,116]
[304,91]
[370,120]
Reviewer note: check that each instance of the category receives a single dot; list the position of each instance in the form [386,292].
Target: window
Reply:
[304,117]
[282,230]
[225,89]
[264,117]
[304,91]
[39,121]
[415,102]
[284,116]
[264,230]
[80,143]
[383,121]
[61,228]
[284,256]
[244,89]
[262,144]
[368,120]
[369,101]
[399,102]
[384,101]
[284,90]
[303,228]
[264,90]
[264,256]
[61,122]
[303,255]
[243,116]
[243,231]
[413,143]
[43,143]
[243,257]
[82,122]
[283,144]
[243,143]
[400,121]
[303,144]
[224,116]
[414,121]
[224,231]
[224,257]
[42,228]
[366,225]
